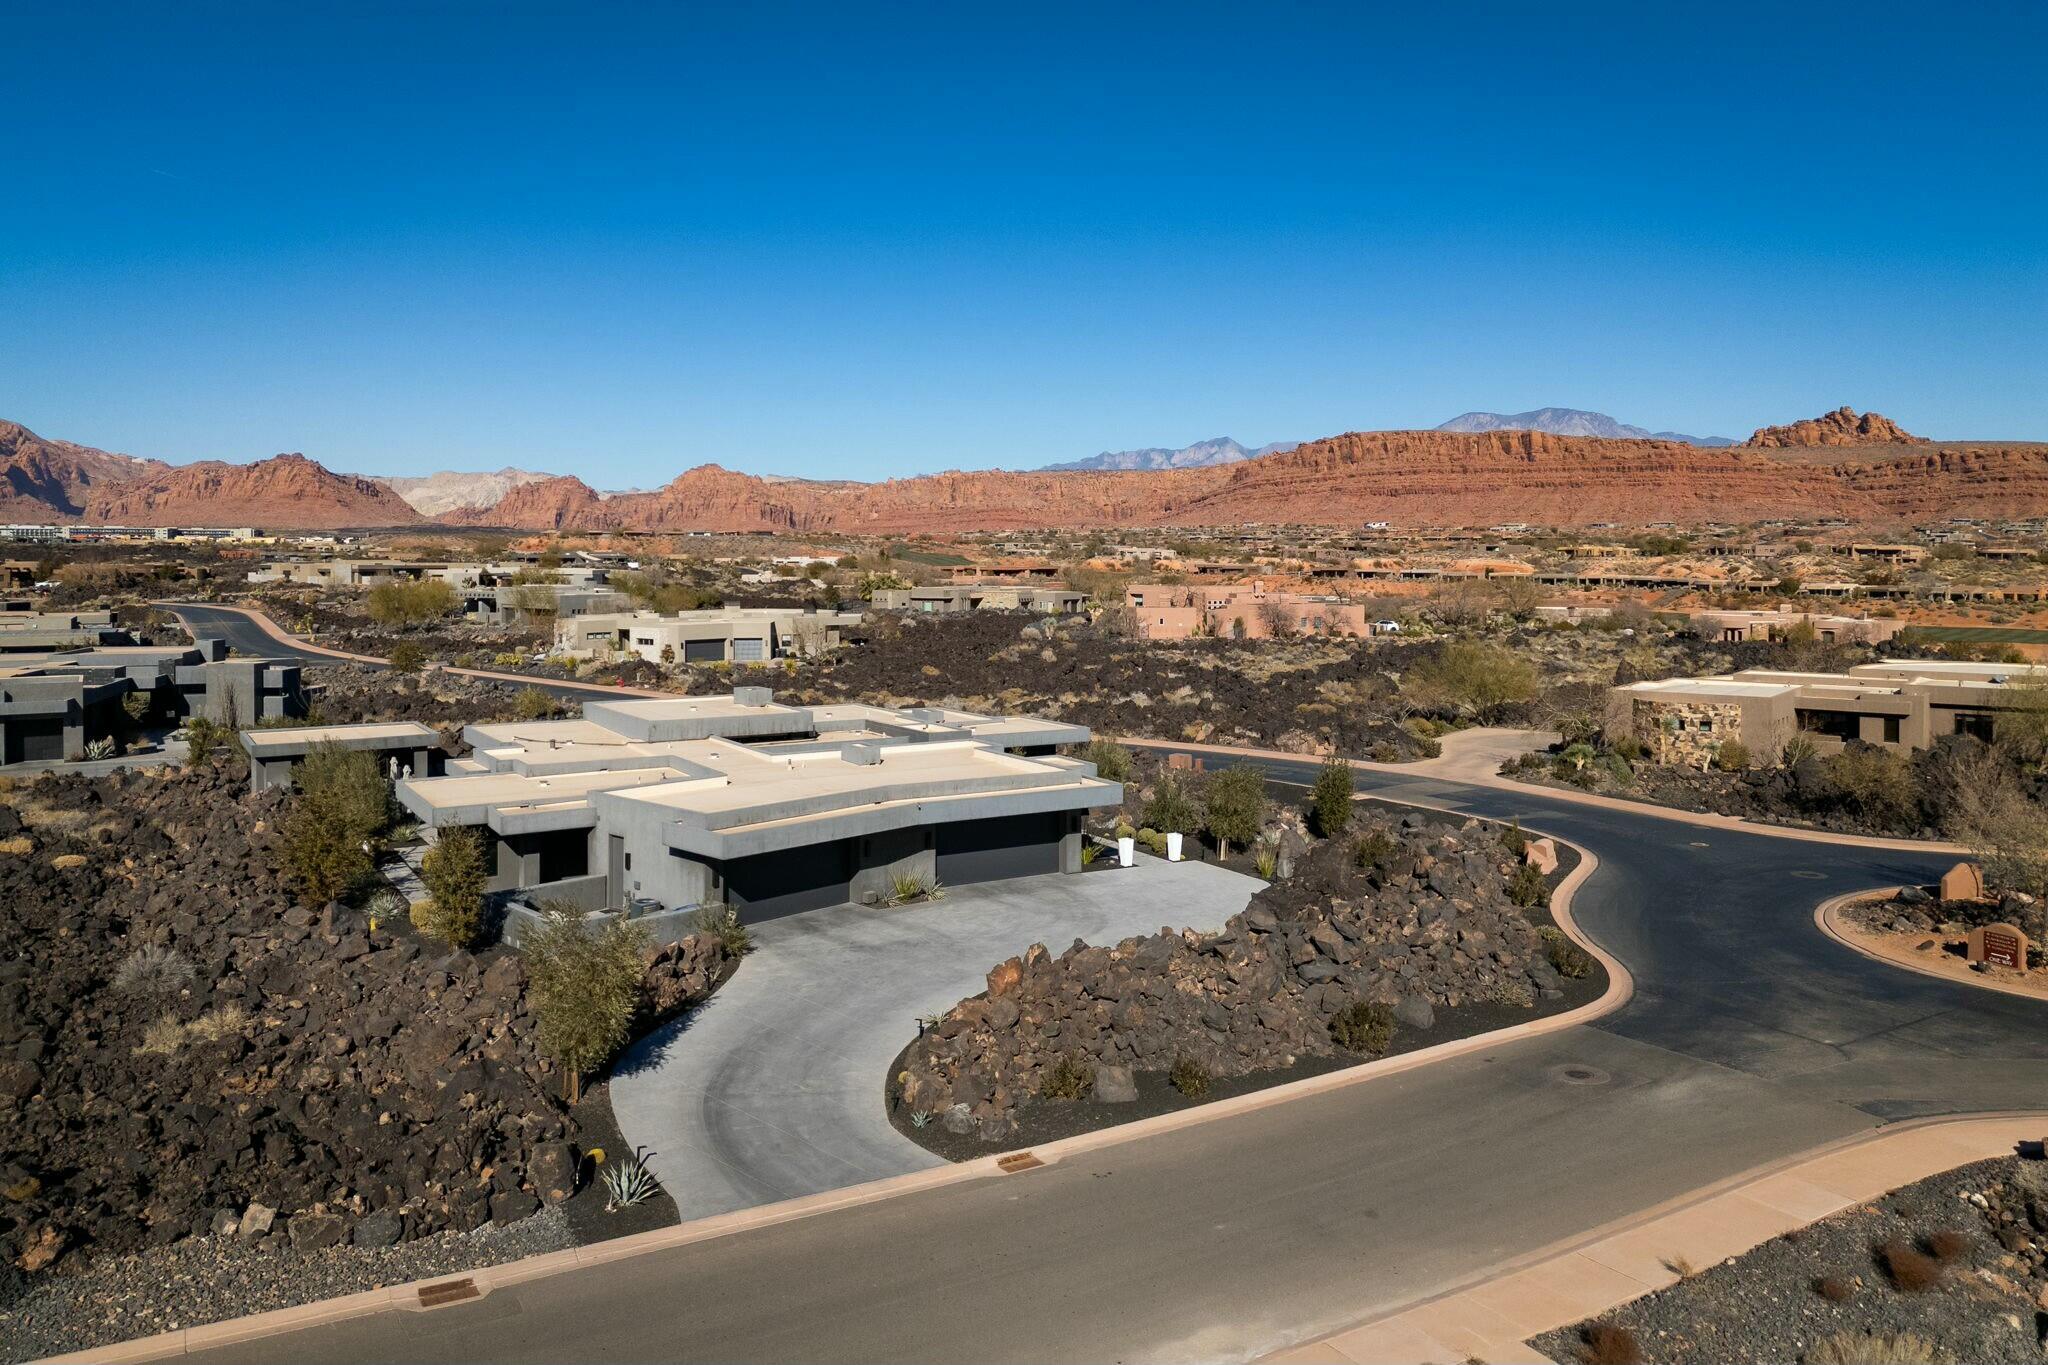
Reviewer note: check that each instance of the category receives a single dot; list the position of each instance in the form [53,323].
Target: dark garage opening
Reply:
[769,885]
[990,850]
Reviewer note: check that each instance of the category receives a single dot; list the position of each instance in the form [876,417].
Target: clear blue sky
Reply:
[619,240]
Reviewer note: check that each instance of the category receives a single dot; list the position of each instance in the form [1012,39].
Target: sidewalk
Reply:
[1492,1319]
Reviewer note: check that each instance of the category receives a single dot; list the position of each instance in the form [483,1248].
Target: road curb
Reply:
[406,1297]
[1824,918]
[1494,1314]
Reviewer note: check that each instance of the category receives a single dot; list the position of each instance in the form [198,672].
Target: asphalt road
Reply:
[1751,1037]
[246,637]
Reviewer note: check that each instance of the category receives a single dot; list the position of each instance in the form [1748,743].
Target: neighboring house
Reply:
[54,704]
[771,809]
[1243,611]
[958,597]
[719,634]
[401,748]
[1900,704]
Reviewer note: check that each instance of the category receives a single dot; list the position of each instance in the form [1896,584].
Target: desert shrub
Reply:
[1235,806]
[722,922]
[407,657]
[1732,756]
[1909,1270]
[206,737]
[1112,760]
[1515,992]
[586,988]
[454,874]
[1171,809]
[905,887]
[1875,783]
[1363,1026]
[1513,839]
[342,807]
[162,1038]
[1948,1244]
[1576,764]
[508,658]
[1068,1079]
[1607,1344]
[1875,1348]
[1374,849]
[1470,675]
[217,1024]
[1125,830]
[1618,769]
[1796,751]
[1330,798]
[153,972]
[533,704]
[1090,851]
[1985,805]
[411,604]
[1628,748]
[1567,957]
[1528,887]
[1834,1289]
[103,747]
[1267,860]
[1189,1077]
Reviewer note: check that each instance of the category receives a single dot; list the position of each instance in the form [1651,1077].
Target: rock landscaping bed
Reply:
[1953,1268]
[210,1084]
[1914,926]
[1398,935]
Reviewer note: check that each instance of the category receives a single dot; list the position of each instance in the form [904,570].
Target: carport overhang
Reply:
[775,836]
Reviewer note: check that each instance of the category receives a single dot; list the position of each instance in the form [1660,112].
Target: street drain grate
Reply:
[1017,1161]
[447,1292]
[1580,1075]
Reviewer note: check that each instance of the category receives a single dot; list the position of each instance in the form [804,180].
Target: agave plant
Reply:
[921,1119]
[627,1182]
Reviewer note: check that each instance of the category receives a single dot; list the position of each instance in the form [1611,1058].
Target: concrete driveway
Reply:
[774,1088]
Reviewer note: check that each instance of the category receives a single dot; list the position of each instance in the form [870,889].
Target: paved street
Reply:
[1751,1037]
[774,1088]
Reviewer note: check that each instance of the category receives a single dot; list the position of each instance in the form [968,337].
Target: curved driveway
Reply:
[1751,1037]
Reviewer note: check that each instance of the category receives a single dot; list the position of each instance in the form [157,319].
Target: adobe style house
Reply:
[672,803]
[721,634]
[945,599]
[1242,611]
[1900,704]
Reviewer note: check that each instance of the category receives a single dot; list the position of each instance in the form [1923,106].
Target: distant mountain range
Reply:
[1573,422]
[1200,455]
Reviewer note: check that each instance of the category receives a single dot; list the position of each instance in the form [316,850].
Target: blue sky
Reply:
[618,241]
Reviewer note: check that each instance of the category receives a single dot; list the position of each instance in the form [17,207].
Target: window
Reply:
[1975,724]
[1840,725]
[1891,729]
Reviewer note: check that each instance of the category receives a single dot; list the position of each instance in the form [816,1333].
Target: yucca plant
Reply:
[627,1182]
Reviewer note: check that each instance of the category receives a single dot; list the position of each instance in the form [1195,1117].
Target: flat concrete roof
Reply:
[1710,687]
[282,741]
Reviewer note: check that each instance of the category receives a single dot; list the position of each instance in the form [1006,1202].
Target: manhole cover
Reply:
[1810,876]
[1578,1074]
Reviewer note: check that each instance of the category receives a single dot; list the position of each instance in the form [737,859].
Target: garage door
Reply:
[703,651]
[990,850]
[770,884]
[749,651]
[34,738]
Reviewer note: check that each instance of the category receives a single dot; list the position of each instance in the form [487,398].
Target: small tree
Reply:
[454,873]
[1112,760]
[1236,801]
[1330,799]
[1171,810]
[407,657]
[411,604]
[1278,620]
[342,807]
[586,988]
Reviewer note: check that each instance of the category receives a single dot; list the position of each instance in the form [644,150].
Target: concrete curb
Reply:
[1499,783]
[1824,917]
[406,1297]
[1494,1314]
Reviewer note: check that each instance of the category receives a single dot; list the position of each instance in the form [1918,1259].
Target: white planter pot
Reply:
[1173,848]
[1126,852]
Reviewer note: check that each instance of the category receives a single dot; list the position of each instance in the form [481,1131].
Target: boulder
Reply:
[315,1231]
[1415,1011]
[512,1205]
[385,1227]
[1114,1085]
[257,1220]
[552,1171]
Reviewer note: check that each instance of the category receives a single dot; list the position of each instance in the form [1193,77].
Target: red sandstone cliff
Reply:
[49,480]
[286,491]
[1842,427]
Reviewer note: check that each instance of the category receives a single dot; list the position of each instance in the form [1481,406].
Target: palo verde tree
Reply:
[1330,799]
[1236,804]
[586,988]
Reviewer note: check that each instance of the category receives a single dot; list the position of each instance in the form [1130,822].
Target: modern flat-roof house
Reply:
[400,747]
[727,634]
[53,704]
[1243,611]
[1899,704]
[772,809]
[957,597]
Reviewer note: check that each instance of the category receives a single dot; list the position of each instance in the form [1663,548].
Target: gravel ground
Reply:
[206,1279]
[1781,1300]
